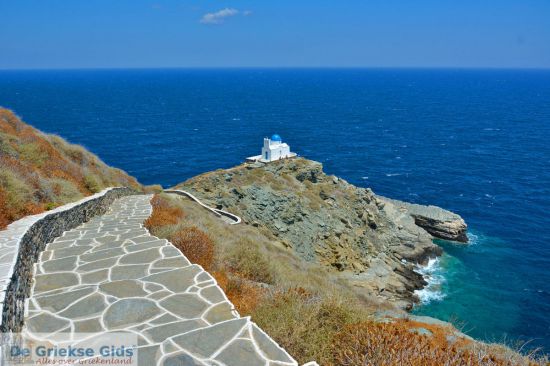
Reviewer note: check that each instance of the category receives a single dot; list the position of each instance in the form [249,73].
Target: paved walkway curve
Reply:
[110,274]
[232,218]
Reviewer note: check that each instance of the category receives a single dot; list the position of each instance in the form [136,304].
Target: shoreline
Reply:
[432,274]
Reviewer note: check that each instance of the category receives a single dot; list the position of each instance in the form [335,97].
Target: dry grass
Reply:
[164,214]
[16,198]
[59,191]
[304,323]
[196,245]
[40,171]
[244,295]
[370,343]
[166,222]
[153,188]
[246,259]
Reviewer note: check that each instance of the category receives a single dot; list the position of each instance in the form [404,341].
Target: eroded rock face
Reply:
[440,223]
[366,239]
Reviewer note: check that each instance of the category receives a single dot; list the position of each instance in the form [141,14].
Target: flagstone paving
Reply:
[111,275]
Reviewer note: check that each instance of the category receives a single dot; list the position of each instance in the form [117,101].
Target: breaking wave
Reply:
[433,274]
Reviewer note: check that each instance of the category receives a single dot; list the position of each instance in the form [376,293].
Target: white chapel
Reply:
[274,149]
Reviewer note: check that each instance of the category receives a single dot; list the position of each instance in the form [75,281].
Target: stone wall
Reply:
[37,234]
[233,219]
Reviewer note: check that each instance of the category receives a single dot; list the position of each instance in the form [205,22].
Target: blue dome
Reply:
[276,138]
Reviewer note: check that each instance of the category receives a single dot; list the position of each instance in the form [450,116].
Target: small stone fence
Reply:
[23,241]
[233,219]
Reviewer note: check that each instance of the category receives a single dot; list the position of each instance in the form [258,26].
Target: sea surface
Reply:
[473,141]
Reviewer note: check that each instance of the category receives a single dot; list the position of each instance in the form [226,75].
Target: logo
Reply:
[69,349]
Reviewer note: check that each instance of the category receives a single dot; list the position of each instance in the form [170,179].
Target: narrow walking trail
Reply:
[111,275]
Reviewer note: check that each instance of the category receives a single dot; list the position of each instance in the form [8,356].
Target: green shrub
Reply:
[92,183]
[18,193]
[32,153]
[5,146]
[63,191]
[76,153]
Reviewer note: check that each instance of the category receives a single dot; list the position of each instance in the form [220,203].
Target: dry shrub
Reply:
[153,188]
[60,191]
[394,344]
[246,260]
[17,198]
[34,153]
[196,245]
[163,214]
[17,191]
[244,295]
[303,323]
[4,218]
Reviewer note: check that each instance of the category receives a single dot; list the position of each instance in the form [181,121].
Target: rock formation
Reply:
[440,223]
[367,240]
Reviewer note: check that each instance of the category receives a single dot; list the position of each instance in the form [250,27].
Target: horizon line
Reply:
[495,68]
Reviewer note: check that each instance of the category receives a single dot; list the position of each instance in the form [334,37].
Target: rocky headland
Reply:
[442,224]
[371,242]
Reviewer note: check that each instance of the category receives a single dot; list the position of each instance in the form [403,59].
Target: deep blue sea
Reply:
[473,141]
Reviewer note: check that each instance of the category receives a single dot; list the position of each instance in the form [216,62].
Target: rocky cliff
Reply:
[440,223]
[367,240]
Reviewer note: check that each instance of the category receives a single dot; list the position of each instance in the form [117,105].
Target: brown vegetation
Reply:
[165,221]
[195,245]
[397,343]
[164,214]
[39,171]
[393,344]
[244,295]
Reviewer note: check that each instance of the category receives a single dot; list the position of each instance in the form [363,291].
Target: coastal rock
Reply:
[438,222]
[360,237]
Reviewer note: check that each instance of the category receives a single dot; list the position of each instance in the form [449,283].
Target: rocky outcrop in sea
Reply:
[442,224]
[369,241]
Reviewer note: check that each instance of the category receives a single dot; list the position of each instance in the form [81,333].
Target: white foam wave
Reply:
[393,174]
[473,239]
[432,273]
[426,295]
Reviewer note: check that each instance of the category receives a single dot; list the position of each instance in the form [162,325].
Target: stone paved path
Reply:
[10,237]
[110,274]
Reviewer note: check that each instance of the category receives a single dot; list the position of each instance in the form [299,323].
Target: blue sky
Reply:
[282,33]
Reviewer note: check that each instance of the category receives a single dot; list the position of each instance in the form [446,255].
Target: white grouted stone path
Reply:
[12,235]
[111,275]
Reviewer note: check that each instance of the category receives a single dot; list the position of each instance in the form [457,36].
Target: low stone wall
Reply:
[232,217]
[31,235]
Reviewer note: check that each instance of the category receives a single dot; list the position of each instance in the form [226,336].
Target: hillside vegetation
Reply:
[308,311]
[40,171]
